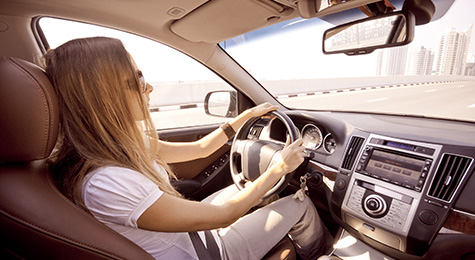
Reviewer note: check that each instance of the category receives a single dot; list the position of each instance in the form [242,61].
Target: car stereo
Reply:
[399,168]
[385,188]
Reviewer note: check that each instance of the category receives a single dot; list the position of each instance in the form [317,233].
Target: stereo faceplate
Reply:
[388,211]
[381,201]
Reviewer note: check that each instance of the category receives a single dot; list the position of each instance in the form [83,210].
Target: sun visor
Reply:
[319,8]
[208,24]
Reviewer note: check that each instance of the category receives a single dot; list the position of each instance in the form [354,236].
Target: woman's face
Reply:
[147,89]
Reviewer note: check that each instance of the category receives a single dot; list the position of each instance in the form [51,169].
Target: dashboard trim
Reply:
[460,221]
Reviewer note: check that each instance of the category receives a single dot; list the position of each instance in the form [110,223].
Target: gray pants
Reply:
[255,234]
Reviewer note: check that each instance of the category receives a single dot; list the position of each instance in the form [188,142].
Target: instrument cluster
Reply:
[315,139]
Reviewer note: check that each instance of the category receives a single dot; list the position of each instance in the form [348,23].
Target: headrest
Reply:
[29,116]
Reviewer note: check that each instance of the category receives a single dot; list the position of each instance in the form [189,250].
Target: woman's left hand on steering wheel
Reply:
[262,109]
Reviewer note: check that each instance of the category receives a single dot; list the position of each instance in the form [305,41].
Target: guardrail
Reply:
[171,96]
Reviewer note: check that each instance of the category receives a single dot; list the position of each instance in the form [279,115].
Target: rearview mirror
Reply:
[221,103]
[364,36]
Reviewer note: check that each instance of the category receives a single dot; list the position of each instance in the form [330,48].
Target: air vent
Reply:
[352,151]
[449,175]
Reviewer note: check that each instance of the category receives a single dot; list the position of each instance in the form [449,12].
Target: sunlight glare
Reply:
[345,242]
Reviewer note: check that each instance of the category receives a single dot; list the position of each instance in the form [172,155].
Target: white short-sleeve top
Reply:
[118,196]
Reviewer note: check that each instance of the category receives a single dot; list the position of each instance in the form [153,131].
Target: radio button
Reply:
[395,182]
[359,167]
[377,141]
[340,184]
[424,150]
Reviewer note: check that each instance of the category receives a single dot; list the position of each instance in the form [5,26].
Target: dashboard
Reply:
[401,182]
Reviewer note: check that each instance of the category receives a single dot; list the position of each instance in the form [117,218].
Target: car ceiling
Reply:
[229,17]
[193,20]
[192,26]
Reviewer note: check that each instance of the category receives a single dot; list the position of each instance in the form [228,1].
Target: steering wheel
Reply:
[250,156]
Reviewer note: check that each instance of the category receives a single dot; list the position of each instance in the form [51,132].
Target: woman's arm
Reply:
[173,152]
[171,214]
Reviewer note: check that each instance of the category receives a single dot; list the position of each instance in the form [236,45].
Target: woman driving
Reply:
[111,162]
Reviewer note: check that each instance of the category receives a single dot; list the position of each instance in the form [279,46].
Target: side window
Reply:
[180,83]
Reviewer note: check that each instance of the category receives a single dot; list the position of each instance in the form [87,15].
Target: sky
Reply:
[460,15]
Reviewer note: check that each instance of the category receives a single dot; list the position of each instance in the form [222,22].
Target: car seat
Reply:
[36,220]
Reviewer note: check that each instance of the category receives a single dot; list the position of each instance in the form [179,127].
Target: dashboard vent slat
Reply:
[449,175]
[352,151]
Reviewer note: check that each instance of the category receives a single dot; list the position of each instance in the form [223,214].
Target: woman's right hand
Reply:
[293,155]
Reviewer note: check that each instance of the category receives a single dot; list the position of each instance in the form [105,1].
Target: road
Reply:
[455,100]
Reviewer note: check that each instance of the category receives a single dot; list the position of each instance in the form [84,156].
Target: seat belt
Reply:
[210,253]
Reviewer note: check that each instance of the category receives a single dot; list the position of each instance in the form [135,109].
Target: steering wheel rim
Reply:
[250,156]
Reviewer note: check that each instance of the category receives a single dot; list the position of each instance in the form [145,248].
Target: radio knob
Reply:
[375,205]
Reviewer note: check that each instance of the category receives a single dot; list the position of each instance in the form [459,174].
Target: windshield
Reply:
[434,76]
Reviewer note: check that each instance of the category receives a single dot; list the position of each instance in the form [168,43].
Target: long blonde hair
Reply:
[98,88]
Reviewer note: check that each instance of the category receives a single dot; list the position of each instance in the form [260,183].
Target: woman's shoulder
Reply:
[113,170]
[118,194]
[115,181]
[116,175]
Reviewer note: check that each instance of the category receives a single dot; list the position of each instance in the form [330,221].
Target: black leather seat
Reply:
[36,220]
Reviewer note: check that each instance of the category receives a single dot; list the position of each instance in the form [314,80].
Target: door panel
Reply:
[201,177]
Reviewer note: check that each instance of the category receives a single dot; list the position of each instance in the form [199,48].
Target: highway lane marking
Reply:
[431,90]
[471,106]
[460,86]
[376,100]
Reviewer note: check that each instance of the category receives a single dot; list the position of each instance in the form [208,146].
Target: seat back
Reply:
[36,220]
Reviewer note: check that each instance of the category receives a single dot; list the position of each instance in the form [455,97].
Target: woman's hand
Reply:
[262,109]
[293,155]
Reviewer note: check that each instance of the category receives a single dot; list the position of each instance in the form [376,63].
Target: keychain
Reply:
[300,194]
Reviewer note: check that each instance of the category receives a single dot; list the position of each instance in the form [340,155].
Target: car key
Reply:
[300,194]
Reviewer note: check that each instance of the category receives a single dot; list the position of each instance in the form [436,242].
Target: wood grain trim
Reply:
[461,222]
[329,173]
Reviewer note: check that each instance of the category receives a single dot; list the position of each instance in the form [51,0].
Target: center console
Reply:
[379,191]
